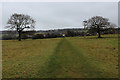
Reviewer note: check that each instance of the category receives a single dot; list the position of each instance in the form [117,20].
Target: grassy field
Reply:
[70,57]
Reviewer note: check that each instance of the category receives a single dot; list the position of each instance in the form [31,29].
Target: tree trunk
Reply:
[19,38]
[99,35]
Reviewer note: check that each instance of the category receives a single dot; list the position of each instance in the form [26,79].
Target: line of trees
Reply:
[94,25]
[12,35]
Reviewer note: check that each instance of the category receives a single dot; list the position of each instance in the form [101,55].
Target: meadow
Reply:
[69,57]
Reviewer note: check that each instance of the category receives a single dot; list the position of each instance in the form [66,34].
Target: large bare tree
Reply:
[20,22]
[99,23]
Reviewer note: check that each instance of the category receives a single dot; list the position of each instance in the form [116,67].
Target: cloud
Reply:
[56,15]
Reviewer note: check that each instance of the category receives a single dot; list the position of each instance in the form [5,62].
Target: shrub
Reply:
[38,36]
[9,37]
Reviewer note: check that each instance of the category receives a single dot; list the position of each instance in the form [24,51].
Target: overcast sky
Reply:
[59,15]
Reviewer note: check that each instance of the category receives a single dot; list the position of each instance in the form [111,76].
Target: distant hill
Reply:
[46,31]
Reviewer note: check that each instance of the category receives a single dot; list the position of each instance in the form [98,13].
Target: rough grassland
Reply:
[71,57]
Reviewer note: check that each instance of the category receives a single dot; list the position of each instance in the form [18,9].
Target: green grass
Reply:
[71,57]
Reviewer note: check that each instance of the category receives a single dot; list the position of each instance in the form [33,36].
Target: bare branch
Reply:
[20,22]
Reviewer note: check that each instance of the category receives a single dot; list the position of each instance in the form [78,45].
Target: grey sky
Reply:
[57,15]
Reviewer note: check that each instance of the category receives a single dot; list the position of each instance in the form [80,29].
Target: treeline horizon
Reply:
[46,29]
[55,29]
[95,25]
[56,33]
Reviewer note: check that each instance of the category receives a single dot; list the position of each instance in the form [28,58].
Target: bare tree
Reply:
[19,22]
[98,22]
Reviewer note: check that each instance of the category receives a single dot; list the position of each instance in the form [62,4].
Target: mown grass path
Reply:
[68,61]
[70,57]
